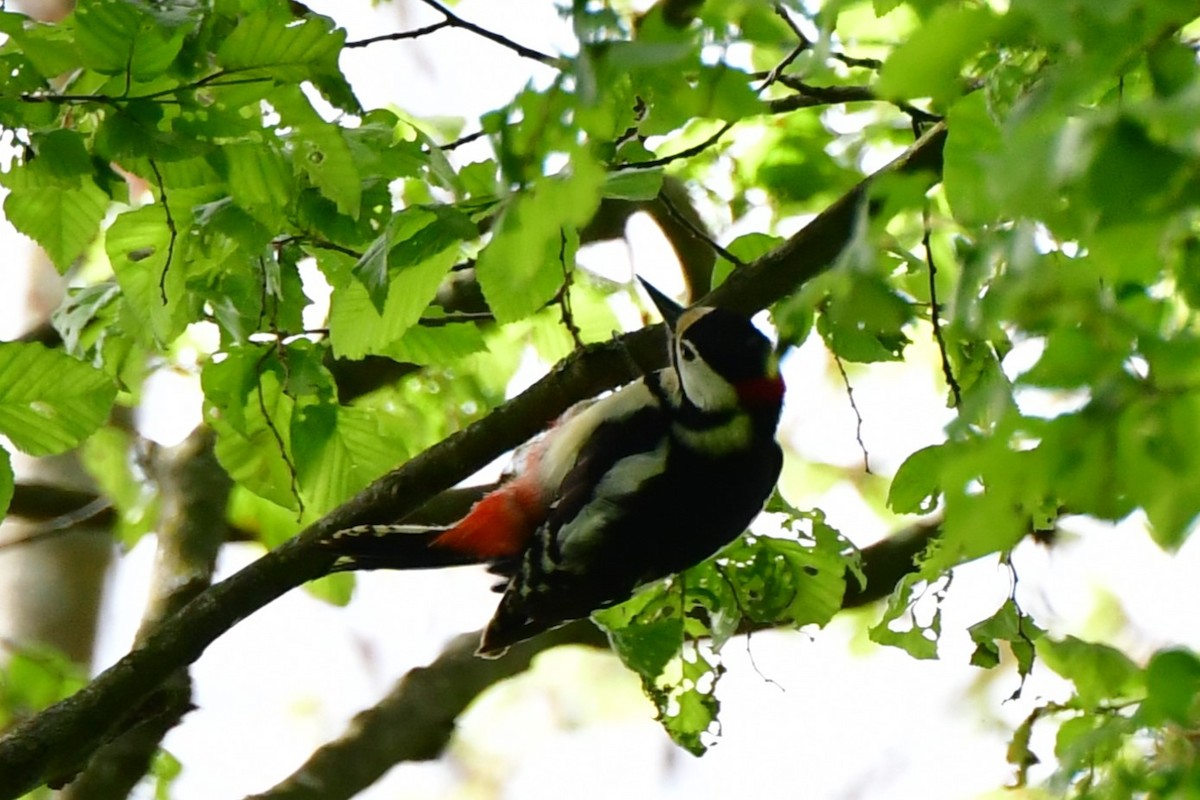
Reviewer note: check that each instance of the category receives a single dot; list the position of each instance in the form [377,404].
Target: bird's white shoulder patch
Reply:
[563,442]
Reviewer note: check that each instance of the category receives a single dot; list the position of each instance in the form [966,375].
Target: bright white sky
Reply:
[816,715]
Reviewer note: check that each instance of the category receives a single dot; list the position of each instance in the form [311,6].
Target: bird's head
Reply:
[722,360]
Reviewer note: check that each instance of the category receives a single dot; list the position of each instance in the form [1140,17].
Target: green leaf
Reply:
[259,178]
[689,709]
[252,415]
[82,307]
[265,40]
[164,769]
[646,632]
[864,320]
[917,484]
[519,269]
[973,140]
[633,184]
[1019,753]
[50,402]
[32,678]
[63,221]
[930,62]
[1010,625]
[374,270]
[901,628]
[50,48]
[339,450]
[1100,673]
[148,264]
[321,151]
[422,245]
[336,589]
[117,37]
[1172,683]
[443,344]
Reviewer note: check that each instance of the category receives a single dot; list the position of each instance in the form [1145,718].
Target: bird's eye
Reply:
[687,350]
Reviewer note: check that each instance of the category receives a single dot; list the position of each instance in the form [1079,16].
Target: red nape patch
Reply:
[498,526]
[761,392]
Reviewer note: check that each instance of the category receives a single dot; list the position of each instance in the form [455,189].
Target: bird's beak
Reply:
[669,309]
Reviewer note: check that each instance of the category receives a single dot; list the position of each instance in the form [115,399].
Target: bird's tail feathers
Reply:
[366,547]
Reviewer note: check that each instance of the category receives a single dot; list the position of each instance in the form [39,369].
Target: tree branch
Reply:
[195,491]
[416,720]
[492,36]
[53,745]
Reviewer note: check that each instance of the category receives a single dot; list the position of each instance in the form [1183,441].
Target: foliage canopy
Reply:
[198,167]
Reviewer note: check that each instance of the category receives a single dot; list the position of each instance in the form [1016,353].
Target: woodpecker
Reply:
[621,491]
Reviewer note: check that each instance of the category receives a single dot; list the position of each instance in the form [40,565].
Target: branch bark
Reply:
[195,492]
[52,746]
[416,720]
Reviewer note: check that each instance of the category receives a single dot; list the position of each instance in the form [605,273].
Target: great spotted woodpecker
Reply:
[621,491]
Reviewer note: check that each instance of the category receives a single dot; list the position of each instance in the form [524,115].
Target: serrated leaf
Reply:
[63,221]
[116,37]
[442,344]
[320,151]
[260,179]
[254,447]
[917,483]
[50,402]
[265,40]
[519,269]
[358,329]
[340,450]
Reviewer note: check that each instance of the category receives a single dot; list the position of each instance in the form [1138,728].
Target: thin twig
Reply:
[808,96]
[457,318]
[858,419]
[519,49]
[935,315]
[697,231]
[172,230]
[279,442]
[777,71]
[564,294]
[688,153]
[395,37]
[459,142]
[851,61]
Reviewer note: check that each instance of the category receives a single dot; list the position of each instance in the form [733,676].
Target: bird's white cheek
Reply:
[707,390]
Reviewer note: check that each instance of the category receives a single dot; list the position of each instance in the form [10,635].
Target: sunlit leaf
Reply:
[49,402]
